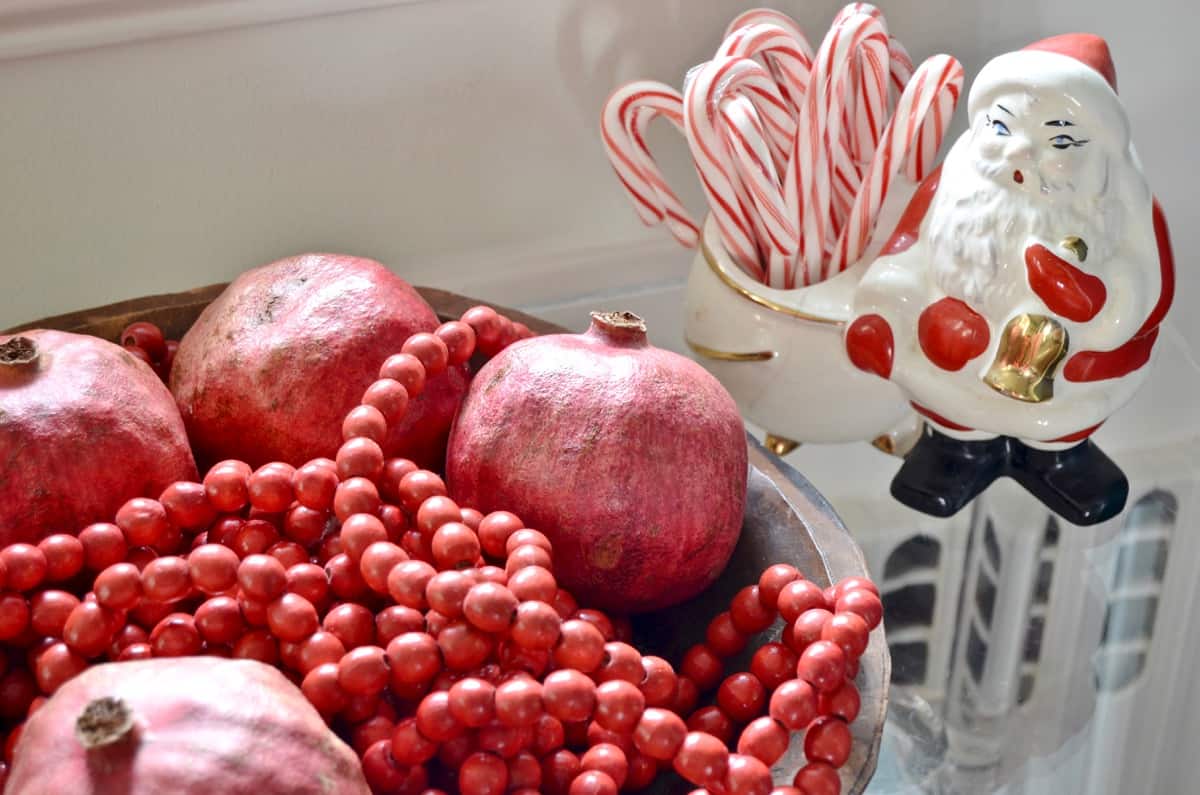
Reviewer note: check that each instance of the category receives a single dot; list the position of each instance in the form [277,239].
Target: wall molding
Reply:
[31,28]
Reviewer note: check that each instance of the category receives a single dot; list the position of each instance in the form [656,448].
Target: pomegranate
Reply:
[631,459]
[84,426]
[272,366]
[182,725]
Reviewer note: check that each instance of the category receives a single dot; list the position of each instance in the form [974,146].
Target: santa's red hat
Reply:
[1076,64]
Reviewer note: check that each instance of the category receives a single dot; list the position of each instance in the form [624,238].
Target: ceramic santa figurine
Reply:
[1018,301]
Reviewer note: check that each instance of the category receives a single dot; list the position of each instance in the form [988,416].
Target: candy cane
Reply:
[768,16]
[924,109]
[623,123]
[731,207]
[812,166]
[785,50]
[754,166]
[864,114]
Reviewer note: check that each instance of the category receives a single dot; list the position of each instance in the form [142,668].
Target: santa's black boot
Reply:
[1080,484]
[941,475]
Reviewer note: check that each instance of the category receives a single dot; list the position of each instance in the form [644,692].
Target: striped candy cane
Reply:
[812,168]
[623,122]
[924,110]
[709,86]
[753,164]
[785,50]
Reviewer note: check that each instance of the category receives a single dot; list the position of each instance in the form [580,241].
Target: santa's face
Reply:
[1039,144]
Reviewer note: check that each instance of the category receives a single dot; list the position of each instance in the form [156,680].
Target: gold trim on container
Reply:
[779,445]
[762,301]
[1076,246]
[729,356]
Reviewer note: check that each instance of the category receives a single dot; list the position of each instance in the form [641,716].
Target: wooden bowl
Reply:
[786,521]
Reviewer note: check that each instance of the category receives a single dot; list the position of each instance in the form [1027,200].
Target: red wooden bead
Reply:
[559,770]
[774,664]
[741,696]
[494,530]
[823,664]
[269,487]
[490,607]
[580,646]
[447,591]
[596,619]
[659,681]
[765,739]
[459,339]
[642,771]
[620,661]
[518,702]
[548,735]
[659,733]
[849,631]
[798,597]
[606,758]
[409,746]
[389,397]
[843,702]
[864,603]
[807,628]
[711,720]
[537,627]
[748,612]
[854,584]
[483,774]
[407,369]
[723,637]
[569,695]
[473,702]
[593,782]
[619,706]
[436,721]
[747,775]
[504,741]
[828,740]
[454,545]
[687,695]
[431,351]
[703,760]
[702,666]
[533,583]
[597,734]
[818,778]
[772,581]
[794,704]
[524,772]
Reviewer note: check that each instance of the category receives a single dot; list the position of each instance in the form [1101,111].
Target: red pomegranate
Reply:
[84,426]
[630,458]
[183,725]
[271,367]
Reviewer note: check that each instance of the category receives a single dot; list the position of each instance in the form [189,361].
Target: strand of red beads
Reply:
[429,632]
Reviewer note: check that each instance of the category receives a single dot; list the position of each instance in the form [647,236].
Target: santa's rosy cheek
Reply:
[951,333]
[870,345]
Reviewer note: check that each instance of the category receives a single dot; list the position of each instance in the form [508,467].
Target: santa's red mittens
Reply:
[870,345]
[1066,290]
[951,333]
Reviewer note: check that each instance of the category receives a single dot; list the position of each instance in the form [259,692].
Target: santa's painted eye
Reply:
[1066,142]
[1000,127]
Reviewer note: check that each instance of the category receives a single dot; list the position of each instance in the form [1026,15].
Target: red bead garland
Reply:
[437,635]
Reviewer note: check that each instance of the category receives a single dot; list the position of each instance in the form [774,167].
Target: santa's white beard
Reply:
[977,223]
